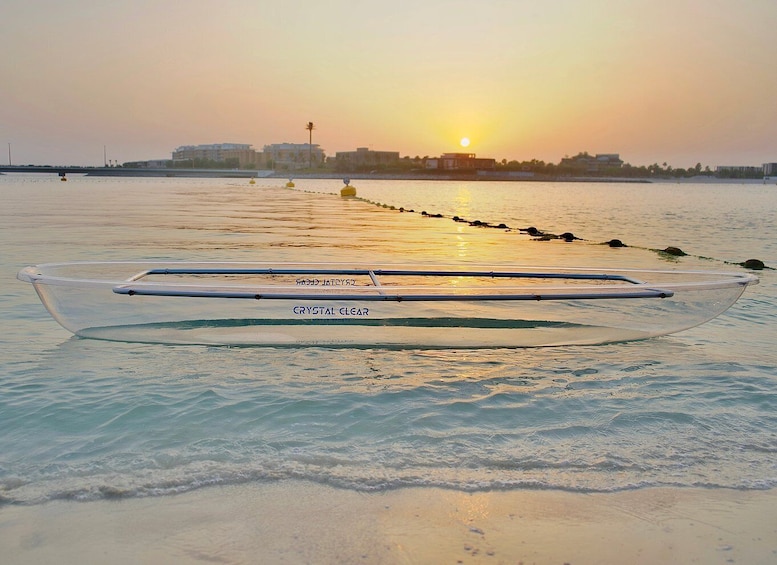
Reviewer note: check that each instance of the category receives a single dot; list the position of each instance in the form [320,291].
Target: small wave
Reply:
[605,479]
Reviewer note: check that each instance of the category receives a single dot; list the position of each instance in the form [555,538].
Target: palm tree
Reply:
[310,127]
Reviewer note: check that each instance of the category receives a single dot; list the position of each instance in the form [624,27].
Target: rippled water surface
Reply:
[89,419]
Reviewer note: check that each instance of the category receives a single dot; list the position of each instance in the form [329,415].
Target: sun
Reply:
[464,142]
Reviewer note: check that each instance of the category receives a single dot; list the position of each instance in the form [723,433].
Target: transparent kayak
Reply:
[309,304]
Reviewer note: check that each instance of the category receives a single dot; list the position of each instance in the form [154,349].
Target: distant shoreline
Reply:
[247,174]
[465,176]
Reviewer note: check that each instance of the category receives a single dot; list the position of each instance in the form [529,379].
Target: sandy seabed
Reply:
[300,522]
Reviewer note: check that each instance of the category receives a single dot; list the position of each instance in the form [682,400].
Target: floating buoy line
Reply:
[670,252]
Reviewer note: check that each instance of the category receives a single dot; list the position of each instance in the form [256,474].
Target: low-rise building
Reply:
[592,163]
[365,157]
[770,169]
[293,156]
[739,171]
[241,154]
[460,161]
[149,164]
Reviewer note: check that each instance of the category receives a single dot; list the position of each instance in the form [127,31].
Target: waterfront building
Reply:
[460,161]
[365,157]
[241,154]
[739,171]
[293,156]
[149,164]
[770,169]
[593,163]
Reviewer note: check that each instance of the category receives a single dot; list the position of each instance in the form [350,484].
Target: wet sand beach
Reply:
[301,522]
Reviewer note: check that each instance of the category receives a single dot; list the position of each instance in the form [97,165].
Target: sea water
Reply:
[88,419]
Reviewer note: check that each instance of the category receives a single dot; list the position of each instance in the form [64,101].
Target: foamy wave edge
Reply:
[171,488]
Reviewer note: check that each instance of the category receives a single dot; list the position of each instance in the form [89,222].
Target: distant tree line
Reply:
[582,170]
[570,168]
[204,164]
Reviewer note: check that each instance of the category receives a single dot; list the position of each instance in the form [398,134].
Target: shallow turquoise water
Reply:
[88,419]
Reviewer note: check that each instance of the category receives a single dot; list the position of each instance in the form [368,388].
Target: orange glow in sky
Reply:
[679,81]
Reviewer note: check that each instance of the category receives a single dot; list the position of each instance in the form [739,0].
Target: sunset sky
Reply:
[680,81]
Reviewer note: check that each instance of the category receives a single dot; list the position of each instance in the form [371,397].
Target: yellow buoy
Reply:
[290,184]
[347,190]
[252,181]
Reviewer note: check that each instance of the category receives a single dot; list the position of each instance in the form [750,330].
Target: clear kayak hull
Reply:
[308,304]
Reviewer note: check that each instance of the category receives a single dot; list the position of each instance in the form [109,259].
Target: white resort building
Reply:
[293,156]
[241,154]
